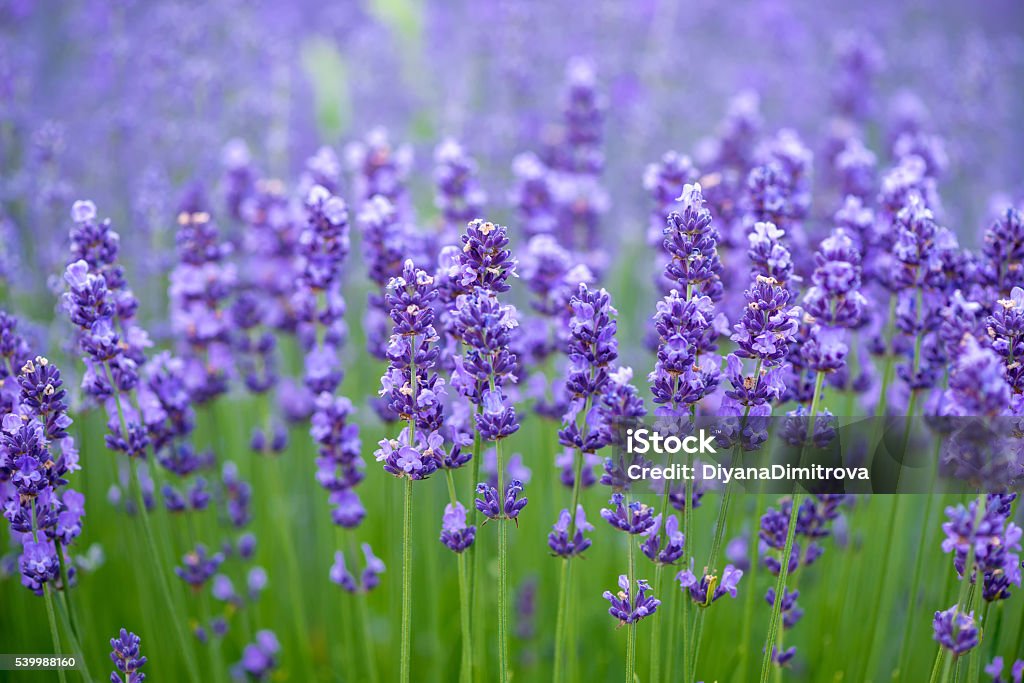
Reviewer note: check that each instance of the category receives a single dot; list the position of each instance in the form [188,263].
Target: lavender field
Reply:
[327,329]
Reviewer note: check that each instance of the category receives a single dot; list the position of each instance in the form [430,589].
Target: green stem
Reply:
[52,618]
[287,541]
[937,667]
[563,608]
[65,592]
[503,665]
[974,660]
[656,626]
[406,582]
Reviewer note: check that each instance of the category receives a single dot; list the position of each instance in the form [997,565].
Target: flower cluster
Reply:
[709,588]
[629,609]
[200,285]
[559,540]
[456,534]
[369,577]
[411,386]
[36,456]
[995,541]
[125,655]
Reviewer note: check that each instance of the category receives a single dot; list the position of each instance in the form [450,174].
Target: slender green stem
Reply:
[974,659]
[406,652]
[503,664]
[563,608]
[286,539]
[65,592]
[52,618]
[946,668]
[475,561]
[656,626]
[364,619]
[780,586]
[937,667]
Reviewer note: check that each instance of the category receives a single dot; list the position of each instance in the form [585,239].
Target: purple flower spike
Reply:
[627,610]
[636,518]
[710,587]
[488,504]
[995,670]
[125,655]
[455,533]
[486,261]
[954,630]
[559,541]
[667,549]
[259,658]
[198,566]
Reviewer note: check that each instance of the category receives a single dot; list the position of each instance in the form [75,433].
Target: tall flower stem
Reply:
[405,666]
[502,573]
[474,563]
[465,672]
[65,592]
[564,578]
[656,627]
[54,633]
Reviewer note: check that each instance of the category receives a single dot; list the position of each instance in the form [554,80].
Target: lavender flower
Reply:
[455,533]
[125,655]
[259,658]
[634,518]
[198,566]
[685,329]
[558,540]
[690,241]
[1003,253]
[380,169]
[199,286]
[665,181]
[996,542]
[369,577]
[1005,329]
[592,348]
[385,238]
[709,588]
[459,196]
[995,670]
[509,508]
[955,631]
[413,390]
[665,550]
[631,609]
